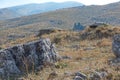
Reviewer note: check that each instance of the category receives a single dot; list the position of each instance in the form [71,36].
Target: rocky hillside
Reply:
[87,57]
[65,18]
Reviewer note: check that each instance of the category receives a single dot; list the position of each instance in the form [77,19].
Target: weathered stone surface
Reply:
[67,74]
[78,27]
[116,45]
[115,62]
[101,75]
[80,76]
[16,59]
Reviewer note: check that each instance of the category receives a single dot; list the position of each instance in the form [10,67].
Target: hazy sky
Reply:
[8,3]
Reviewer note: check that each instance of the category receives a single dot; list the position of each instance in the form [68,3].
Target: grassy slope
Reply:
[87,61]
[65,18]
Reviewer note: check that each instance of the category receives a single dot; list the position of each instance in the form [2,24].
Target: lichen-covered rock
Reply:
[16,59]
[116,45]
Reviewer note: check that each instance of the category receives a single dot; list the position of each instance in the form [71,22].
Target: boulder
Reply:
[116,45]
[78,27]
[21,58]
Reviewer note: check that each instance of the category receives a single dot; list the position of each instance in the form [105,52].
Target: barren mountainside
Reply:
[30,9]
[65,18]
[78,43]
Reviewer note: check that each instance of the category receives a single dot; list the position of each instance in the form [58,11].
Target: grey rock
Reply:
[78,27]
[81,75]
[98,75]
[7,62]
[115,62]
[14,60]
[2,72]
[116,45]
[68,74]
[78,78]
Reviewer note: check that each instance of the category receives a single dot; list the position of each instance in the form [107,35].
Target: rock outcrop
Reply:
[21,58]
[116,45]
[78,27]
[98,75]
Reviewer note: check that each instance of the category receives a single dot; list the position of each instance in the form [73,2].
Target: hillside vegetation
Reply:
[65,18]
[88,54]
[88,51]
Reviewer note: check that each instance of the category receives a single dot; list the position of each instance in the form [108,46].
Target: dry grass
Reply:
[86,55]
[19,41]
[86,61]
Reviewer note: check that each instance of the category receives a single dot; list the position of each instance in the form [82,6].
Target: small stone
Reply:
[98,75]
[83,76]
[78,78]
[68,74]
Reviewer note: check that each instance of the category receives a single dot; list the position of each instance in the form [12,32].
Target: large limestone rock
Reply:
[16,59]
[116,45]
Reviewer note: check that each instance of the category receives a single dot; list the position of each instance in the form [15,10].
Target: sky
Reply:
[9,3]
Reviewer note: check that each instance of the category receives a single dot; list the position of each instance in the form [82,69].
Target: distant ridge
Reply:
[30,9]
[65,18]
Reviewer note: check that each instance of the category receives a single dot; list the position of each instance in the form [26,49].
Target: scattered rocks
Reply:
[80,76]
[16,59]
[98,75]
[116,45]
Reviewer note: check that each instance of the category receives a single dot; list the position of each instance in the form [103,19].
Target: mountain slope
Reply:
[30,9]
[65,18]
[6,13]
